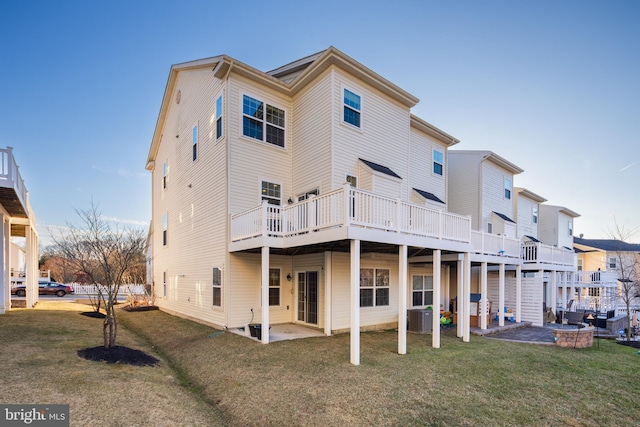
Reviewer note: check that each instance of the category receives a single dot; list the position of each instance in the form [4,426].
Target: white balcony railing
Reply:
[349,206]
[10,175]
[494,244]
[536,252]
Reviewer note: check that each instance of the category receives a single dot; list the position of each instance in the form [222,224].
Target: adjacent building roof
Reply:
[428,196]
[609,245]
[529,194]
[379,168]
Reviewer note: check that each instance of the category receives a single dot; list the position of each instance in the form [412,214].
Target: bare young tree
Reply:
[627,266]
[106,254]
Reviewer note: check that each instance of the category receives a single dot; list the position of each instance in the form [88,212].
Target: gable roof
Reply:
[609,245]
[295,77]
[379,168]
[529,194]
[492,157]
[428,196]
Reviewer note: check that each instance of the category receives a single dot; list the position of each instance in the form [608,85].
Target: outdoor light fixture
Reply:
[289,277]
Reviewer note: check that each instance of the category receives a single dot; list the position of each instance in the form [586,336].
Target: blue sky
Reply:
[552,86]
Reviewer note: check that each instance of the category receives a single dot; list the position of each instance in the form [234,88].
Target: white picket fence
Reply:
[92,289]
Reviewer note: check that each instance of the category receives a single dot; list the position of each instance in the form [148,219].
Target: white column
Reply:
[265,294]
[355,302]
[518,293]
[32,291]
[402,300]
[460,278]
[5,293]
[501,295]
[437,287]
[485,298]
[563,276]
[467,295]
[553,290]
[328,287]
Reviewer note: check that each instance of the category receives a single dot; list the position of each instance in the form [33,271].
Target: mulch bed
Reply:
[634,344]
[118,354]
[140,308]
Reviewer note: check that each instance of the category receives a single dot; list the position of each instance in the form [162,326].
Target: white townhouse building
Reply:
[310,194]
[16,220]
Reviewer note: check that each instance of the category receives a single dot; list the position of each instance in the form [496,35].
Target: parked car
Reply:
[45,288]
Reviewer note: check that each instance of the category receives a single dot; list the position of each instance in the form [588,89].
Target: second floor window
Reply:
[351,108]
[262,121]
[164,229]
[570,228]
[164,176]
[438,162]
[612,263]
[507,188]
[535,215]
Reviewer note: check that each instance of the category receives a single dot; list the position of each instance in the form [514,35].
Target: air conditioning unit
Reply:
[420,321]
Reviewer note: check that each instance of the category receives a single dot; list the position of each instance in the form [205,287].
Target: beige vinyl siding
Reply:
[194,201]
[246,291]
[465,186]
[421,174]
[383,137]
[493,199]
[524,215]
[370,317]
[311,137]
[250,160]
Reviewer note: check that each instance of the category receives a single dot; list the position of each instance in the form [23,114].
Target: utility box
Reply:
[420,321]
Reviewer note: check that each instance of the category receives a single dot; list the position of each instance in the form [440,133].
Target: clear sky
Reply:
[552,86]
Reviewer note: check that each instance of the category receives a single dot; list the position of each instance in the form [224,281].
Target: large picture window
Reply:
[422,290]
[262,121]
[374,287]
[352,108]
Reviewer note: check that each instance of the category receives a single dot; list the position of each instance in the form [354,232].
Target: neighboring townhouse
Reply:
[17,221]
[311,194]
[530,274]
[603,264]
[556,225]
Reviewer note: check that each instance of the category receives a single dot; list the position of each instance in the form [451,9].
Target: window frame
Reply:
[435,162]
[508,189]
[377,289]
[218,118]
[534,214]
[307,194]
[267,197]
[216,287]
[265,124]
[164,283]
[422,291]
[165,229]
[614,264]
[570,223]
[195,136]
[356,110]
[165,169]
[273,287]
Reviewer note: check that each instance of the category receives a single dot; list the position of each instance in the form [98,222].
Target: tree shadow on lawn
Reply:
[634,344]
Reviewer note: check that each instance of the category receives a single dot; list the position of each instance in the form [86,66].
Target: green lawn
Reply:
[226,379]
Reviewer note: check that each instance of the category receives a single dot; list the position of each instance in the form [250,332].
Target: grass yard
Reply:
[206,378]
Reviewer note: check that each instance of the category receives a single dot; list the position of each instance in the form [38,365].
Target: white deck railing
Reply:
[494,244]
[10,175]
[596,279]
[349,206]
[538,252]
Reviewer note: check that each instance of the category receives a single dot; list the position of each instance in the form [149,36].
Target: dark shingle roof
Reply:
[608,244]
[429,196]
[533,239]
[379,168]
[504,217]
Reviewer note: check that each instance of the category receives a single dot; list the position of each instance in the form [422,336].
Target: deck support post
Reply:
[328,287]
[355,302]
[437,291]
[466,296]
[484,298]
[5,293]
[402,300]
[460,279]
[265,294]
[518,293]
[501,312]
